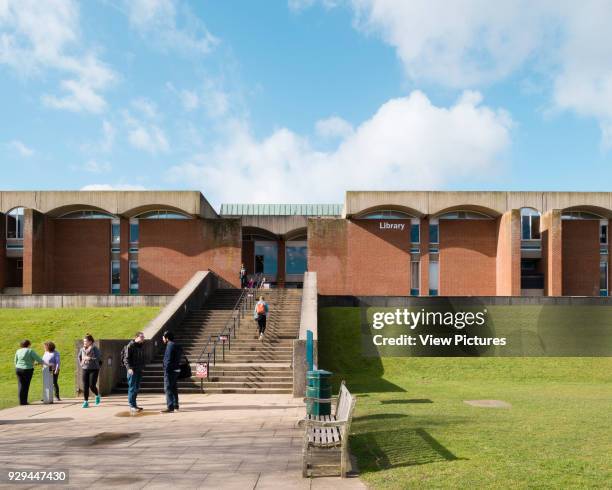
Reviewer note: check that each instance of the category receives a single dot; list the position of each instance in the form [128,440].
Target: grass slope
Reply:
[62,326]
[412,429]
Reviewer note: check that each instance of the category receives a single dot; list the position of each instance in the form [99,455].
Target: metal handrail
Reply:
[229,328]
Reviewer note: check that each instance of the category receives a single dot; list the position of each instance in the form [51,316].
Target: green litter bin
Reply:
[318,386]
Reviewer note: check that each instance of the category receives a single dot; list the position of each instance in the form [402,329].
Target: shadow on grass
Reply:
[386,449]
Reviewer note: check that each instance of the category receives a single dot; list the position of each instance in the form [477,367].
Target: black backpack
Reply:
[185,368]
[124,355]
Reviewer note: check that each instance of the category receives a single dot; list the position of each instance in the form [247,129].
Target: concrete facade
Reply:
[358,251]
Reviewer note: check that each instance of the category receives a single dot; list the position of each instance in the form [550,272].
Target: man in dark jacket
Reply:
[134,362]
[172,362]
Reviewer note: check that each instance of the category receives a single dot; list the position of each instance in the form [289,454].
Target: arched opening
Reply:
[296,256]
[532,265]
[585,251]
[260,253]
[458,235]
[14,232]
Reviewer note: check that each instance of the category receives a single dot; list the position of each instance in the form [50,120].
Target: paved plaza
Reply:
[215,441]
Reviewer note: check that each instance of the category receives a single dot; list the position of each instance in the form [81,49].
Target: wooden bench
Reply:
[329,433]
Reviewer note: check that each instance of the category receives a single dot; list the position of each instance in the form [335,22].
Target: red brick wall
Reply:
[424,260]
[328,254]
[171,251]
[82,256]
[359,258]
[580,257]
[468,251]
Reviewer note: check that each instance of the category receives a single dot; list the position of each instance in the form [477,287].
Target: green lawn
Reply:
[63,326]
[412,429]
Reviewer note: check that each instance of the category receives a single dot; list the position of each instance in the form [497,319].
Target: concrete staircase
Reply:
[251,365]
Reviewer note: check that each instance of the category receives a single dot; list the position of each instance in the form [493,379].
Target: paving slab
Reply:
[214,441]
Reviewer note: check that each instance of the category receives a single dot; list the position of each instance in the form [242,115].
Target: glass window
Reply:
[434,271]
[87,214]
[464,215]
[530,224]
[266,257]
[163,214]
[433,233]
[14,223]
[134,231]
[603,278]
[579,215]
[115,277]
[296,257]
[386,214]
[415,234]
[414,278]
[133,276]
[603,232]
[115,232]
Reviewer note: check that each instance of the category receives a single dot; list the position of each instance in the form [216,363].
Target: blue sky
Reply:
[294,101]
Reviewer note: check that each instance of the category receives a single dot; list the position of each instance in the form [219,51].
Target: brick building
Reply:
[377,243]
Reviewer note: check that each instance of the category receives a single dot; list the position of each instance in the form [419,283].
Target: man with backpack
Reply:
[260,314]
[133,357]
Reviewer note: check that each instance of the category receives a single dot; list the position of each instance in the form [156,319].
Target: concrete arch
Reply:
[604,213]
[258,233]
[297,234]
[491,213]
[411,212]
[71,208]
[130,213]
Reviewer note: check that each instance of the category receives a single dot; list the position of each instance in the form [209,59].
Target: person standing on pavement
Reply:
[261,314]
[50,373]
[25,358]
[90,359]
[172,363]
[134,362]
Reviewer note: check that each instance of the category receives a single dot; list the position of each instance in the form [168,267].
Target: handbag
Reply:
[185,368]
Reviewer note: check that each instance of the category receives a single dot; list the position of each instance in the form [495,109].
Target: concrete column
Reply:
[37,253]
[2,251]
[508,261]
[551,226]
[280,276]
[424,276]
[124,259]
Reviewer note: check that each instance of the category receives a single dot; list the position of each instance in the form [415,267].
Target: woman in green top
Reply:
[24,368]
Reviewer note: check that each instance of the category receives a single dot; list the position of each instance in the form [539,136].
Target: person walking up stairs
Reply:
[261,315]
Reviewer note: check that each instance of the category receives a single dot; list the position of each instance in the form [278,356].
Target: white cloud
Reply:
[146,107]
[95,167]
[112,187]
[190,100]
[158,21]
[145,136]
[21,148]
[210,96]
[407,143]
[471,43]
[45,35]
[333,127]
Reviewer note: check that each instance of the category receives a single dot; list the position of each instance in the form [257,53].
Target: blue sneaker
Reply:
[85,405]
[97,399]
